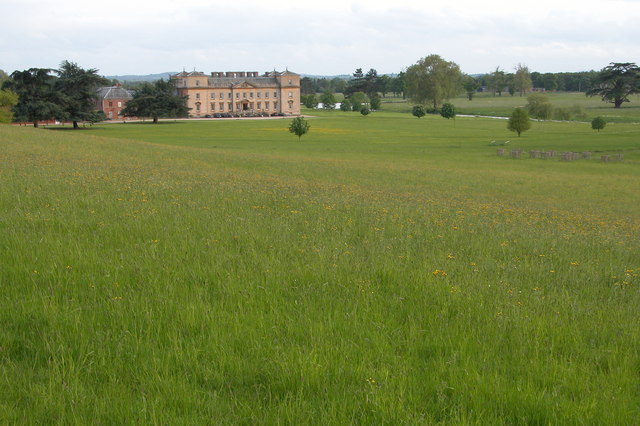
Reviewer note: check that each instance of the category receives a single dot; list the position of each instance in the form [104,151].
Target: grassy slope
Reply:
[386,269]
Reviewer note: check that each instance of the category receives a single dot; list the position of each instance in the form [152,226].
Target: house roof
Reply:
[114,92]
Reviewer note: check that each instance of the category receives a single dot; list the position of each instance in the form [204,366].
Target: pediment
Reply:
[244,85]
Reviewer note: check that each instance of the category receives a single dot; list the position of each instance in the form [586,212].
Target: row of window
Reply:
[244,95]
[239,106]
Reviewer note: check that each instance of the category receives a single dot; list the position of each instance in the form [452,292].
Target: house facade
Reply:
[240,92]
[112,100]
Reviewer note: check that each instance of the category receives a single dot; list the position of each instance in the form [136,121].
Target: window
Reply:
[266,105]
[119,104]
[213,106]
[290,104]
[275,94]
[291,94]
[258,94]
[290,82]
[230,106]
[275,105]
[244,96]
[110,103]
[197,95]
[221,96]
[251,95]
[198,106]
[237,95]
[229,95]
[213,96]
[266,94]
[259,105]
[197,82]
[221,106]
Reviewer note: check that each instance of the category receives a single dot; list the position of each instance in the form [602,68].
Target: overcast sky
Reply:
[326,37]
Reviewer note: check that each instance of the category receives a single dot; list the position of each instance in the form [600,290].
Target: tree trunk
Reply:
[35,123]
[617,102]
[75,125]
[155,120]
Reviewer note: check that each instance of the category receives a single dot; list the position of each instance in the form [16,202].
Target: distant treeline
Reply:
[562,81]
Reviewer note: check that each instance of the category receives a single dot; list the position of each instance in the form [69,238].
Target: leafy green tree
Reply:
[37,99]
[157,100]
[470,85]
[299,126]
[365,111]
[3,77]
[519,121]
[497,81]
[306,86]
[418,111]
[616,82]
[328,100]
[8,100]
[539,107]
[345,105]
[310,101]
[598,123]
[522,79]
[398,84]
[77,90]
[448,111]
[357,100]
[433,80]
[375,102]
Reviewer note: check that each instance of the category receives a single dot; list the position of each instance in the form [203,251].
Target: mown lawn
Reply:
[386,269]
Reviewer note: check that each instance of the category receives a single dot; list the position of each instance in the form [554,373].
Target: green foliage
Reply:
[522,79]
[365,111]
[448,111]
[519,121]
[299,126]
[156,100]
[358,99]
[616,82]
[38,99]
[345,105]
[539,107]
[470,85]
[418,111]
[563,114]
[8,100]
[598,123]
[77,90]
[309,101]
[433,80]
[375,102]
[497,81]
[328,100]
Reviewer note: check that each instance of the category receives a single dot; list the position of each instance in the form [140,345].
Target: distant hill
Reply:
[148,77]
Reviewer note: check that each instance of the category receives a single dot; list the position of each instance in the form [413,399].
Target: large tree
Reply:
[616,82]
[37,99]
[470,85]
[497,81]
[433,80]
[77,90]
[155,100]
[519,121]
[522,79]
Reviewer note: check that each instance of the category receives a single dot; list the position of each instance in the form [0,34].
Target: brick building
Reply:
[111,101]
[240,92]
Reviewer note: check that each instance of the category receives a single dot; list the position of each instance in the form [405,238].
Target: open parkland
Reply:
[385,269]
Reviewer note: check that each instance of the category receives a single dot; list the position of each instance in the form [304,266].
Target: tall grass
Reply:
[385,270]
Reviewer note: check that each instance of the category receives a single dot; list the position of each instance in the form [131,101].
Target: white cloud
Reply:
[328,37]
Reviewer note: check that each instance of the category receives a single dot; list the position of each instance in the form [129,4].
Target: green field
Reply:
[501,106]
[385,270]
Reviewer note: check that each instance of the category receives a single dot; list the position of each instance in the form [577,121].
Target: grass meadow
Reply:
[384,270]
[488,105]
